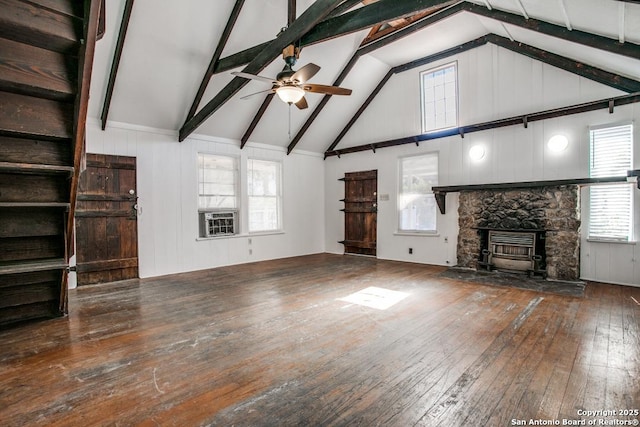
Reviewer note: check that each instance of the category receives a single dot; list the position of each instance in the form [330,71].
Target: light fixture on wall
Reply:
[476,152]
[558,143]
[290,94]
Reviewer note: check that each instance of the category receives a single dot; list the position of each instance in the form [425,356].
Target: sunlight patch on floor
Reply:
[374,297]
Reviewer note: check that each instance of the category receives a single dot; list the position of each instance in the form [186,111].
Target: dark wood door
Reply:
[360,212]
[106,220]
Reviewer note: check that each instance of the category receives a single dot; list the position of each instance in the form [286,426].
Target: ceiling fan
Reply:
[290,85]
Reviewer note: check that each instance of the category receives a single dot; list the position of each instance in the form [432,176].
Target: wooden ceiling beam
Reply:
[510,121]
[586,39]
[347,23]
[581,69]
[310,18]
[124,25]
[233,17]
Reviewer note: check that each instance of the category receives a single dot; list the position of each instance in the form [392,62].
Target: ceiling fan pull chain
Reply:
[290,122]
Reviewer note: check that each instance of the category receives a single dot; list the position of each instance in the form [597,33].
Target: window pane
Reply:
[439,98]
[416,203]
[263,186]
[217,182]
[611,206]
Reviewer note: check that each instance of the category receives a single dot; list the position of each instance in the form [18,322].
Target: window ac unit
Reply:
[213,224]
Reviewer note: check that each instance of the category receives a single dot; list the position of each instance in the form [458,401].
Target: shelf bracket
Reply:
[441,200]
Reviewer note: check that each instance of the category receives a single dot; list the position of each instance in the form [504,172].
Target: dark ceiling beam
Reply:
[345,71]
[404,67]
[370,47]
[128,7]
[235,12]
[592,73]
[586,39]
[608,104]
[350,22]
[311,17]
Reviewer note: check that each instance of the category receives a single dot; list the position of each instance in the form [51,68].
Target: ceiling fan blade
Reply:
[254,77]
[272,90]
[302,104]
[305,73]
[328,90]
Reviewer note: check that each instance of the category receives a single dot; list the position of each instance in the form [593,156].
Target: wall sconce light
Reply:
[476,152]
[558,143]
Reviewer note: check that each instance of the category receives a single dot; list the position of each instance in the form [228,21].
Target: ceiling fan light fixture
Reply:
[290,94]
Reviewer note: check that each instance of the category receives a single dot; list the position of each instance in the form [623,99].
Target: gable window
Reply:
[610,205]
[416,202]
[264,191]
[217,195]
[439,88]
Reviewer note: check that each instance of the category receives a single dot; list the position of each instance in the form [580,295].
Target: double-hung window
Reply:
[611,205]
[264,191]
[217,195]
[417,209]
[439,89]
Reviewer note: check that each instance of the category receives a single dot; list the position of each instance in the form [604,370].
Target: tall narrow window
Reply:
[416,202]
[264,182]
[611,208]
[217,195]
[439,98]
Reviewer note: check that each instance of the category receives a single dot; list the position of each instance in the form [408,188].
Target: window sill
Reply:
[620,242]
[417,233]
[239,236]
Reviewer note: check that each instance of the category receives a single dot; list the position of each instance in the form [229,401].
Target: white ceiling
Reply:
[169,45]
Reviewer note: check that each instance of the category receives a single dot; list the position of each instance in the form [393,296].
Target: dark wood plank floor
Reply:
[270,344]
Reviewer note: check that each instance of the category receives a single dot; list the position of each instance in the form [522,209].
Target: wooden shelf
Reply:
[35,168]
[16,267]
[60,205]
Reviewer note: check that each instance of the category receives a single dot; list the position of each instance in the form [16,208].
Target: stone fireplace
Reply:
[544,221]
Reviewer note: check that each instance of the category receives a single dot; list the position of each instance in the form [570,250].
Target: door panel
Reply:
[106,220]
[360,212]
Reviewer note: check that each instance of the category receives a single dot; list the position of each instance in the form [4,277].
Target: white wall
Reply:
[167,188]
[493,83]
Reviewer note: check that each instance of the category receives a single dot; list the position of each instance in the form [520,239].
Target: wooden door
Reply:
[360,212]
[106,220]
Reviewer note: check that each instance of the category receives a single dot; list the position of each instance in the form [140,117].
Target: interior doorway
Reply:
[106,220]
[360,212]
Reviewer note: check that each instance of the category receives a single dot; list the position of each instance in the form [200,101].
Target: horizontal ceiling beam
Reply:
[311,17]
[608,103]
[347,23]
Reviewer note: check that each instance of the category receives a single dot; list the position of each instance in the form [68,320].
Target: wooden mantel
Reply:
[441,191]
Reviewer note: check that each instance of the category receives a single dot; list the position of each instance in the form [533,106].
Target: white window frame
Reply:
[237,197]
[423,99]
[622,190]
[402,197]
[277,196]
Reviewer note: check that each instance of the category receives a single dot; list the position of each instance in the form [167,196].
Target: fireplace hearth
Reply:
[535,231]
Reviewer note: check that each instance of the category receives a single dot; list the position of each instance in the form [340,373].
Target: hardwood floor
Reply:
[270,344]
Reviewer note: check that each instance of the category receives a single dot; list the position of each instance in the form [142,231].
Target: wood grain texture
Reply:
[270,344]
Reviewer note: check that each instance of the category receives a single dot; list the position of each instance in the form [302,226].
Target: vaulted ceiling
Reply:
[168,49]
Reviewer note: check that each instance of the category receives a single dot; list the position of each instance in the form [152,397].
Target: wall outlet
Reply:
[249,240]
[250,251]
[410,251]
